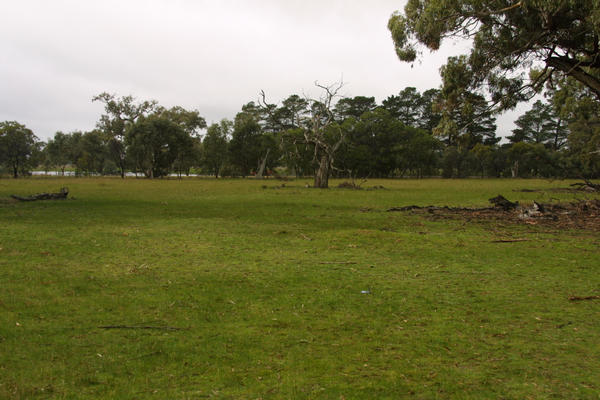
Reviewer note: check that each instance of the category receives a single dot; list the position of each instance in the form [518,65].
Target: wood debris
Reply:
[581,214]
[64,192]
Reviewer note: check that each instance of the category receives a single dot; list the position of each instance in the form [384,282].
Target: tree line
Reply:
[519,49]
[410,134]
[449,131]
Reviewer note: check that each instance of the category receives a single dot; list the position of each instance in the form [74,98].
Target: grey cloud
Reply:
[210,55]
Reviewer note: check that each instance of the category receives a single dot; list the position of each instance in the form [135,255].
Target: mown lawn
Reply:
[290,292]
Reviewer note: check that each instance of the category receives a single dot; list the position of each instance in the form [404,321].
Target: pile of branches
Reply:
[582,214]
[351,185]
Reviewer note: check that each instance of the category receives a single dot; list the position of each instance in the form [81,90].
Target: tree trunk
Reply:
[262,165]
[515,169]
[322,174]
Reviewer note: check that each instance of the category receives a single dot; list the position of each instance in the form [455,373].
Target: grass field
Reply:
[290,293]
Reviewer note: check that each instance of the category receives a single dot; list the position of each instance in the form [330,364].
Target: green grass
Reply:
[266,285]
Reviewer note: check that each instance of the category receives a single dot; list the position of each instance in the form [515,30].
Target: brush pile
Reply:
[582,214]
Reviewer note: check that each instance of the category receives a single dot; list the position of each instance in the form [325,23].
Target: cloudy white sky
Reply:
[213,56]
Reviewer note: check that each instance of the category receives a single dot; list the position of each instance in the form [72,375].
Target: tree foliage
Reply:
[215,146]
[576,104]
[155,142]
[406,106]
[17,145]
[448,131]
[59,151]
[120,113]
[540,124]
[244,146]
[559,37]
[465,118]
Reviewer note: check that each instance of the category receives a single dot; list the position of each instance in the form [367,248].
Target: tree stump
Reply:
[501,202]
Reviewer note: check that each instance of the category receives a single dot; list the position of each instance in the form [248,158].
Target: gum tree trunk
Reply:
[262,165]
[322,174]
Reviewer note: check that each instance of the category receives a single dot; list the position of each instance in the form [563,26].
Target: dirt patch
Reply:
[584,214]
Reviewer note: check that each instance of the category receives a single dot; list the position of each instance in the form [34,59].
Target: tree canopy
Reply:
[17,144]
[553,38]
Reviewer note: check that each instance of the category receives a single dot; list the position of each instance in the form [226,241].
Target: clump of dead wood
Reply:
[349,185]
[352,184]
[61,195]
[581,214]
[587,186]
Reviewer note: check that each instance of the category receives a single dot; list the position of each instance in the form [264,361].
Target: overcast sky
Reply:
[213,56]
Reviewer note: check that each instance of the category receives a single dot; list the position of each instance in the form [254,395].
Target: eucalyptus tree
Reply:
[120,114]
[58,151]
[296,152]
[418,152]
[244,146]
[527,159]
[371,145]
[269,120]
[556,38]
[17,146]
[289,122]
[92,153]
[154,143]
[192,124]
[577,105]
[214,146]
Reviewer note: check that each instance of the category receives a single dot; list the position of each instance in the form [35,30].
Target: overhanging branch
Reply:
[572,68]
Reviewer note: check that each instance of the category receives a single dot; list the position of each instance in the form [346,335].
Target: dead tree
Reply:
[321,130]
[324,133]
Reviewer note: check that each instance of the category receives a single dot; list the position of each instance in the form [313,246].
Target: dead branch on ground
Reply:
[64,192]
[164,328]
[578,298]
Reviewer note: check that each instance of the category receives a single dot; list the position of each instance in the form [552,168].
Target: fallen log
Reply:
[164,328]
[64,192]
[409,208]
[580,298]
[436,208]
[338,262]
